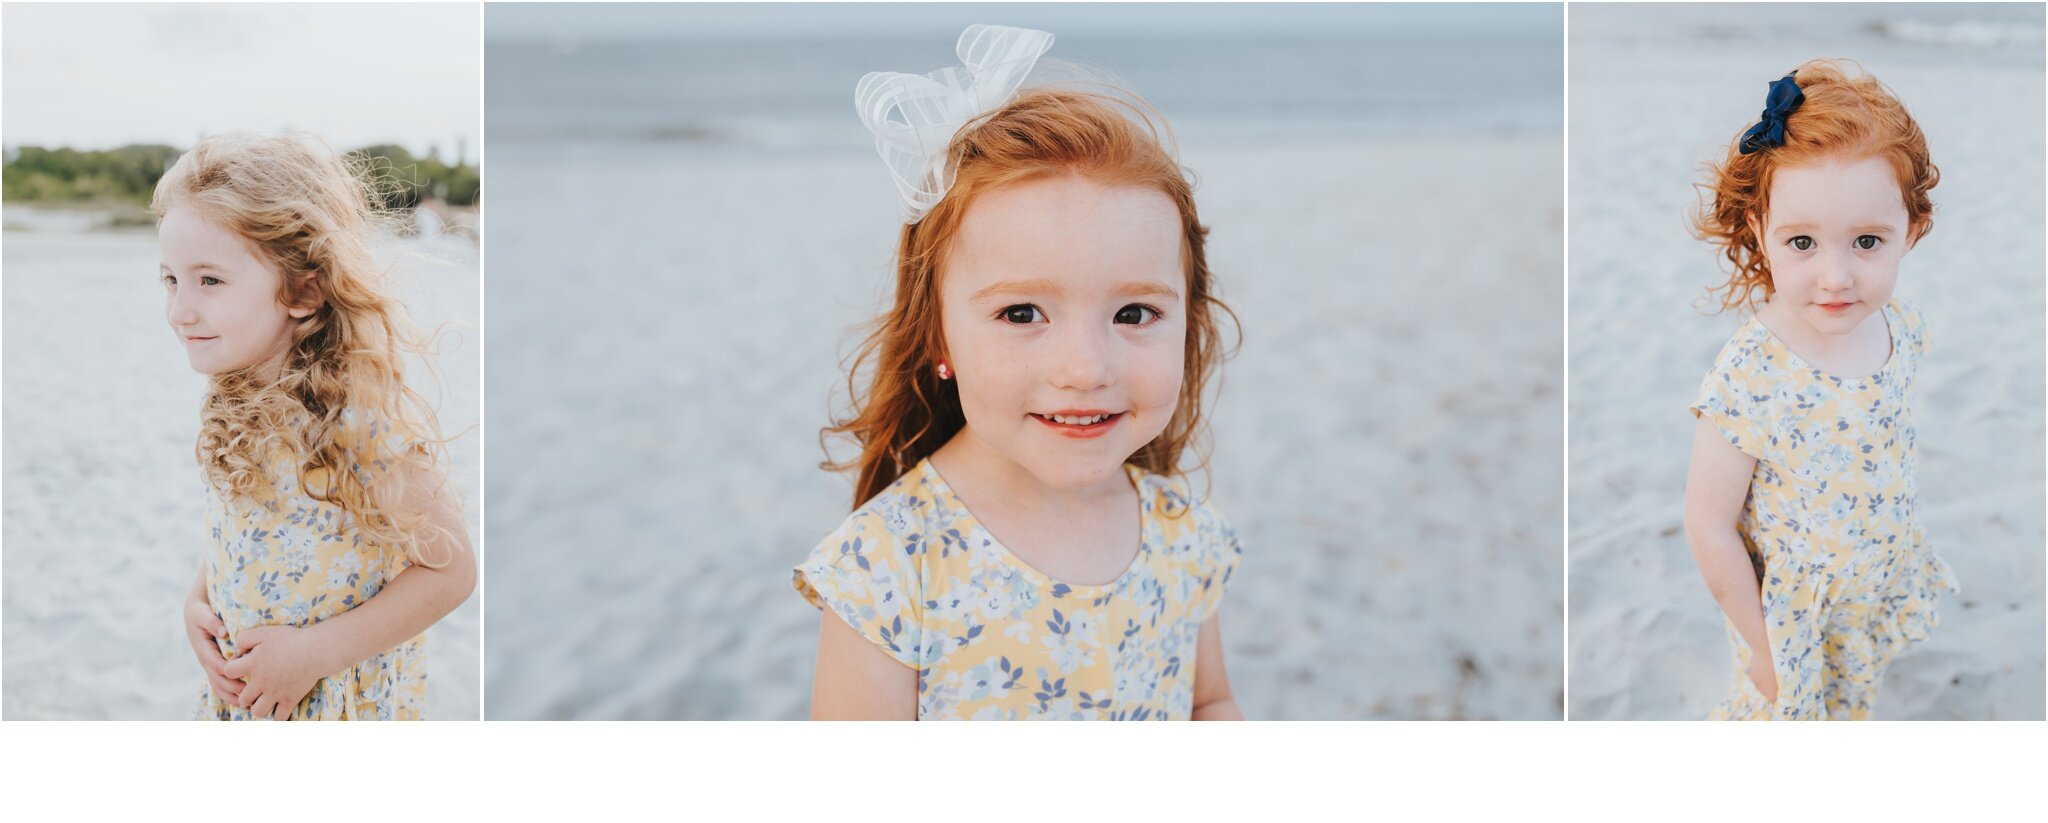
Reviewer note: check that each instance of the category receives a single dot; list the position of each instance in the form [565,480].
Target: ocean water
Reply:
[752,91]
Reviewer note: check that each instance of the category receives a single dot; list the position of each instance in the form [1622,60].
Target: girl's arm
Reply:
[855,680]
[281,663]
[1716,484]
[1212,684]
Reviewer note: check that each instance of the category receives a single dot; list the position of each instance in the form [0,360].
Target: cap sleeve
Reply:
[862,574]
[1915,328]
[1733,397]
[375,443]
[1219,563]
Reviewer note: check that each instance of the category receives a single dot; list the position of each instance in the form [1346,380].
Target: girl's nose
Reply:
[179,309]
[1084,358]
[1836,273]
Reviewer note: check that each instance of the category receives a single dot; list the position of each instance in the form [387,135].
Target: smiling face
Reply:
[222,301]
[1834,236]
[1065,314]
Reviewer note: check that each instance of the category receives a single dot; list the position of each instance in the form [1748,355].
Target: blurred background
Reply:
[689,223]
[105,508]
[1657,91]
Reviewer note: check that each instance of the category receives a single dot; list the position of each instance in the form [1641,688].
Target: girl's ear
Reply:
[308,308]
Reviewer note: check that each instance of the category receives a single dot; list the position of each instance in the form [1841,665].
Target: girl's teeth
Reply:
[1078,421]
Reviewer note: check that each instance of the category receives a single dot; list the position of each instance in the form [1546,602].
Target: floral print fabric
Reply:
[1847,576]
[289,559]
[995,639]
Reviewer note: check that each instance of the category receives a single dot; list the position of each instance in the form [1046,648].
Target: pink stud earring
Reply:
[945,373]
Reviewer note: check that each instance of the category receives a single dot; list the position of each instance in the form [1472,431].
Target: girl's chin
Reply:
[1076,475]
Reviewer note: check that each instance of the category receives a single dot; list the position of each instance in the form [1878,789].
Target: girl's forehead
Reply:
[1067,231]
[187,237]
[1835,186]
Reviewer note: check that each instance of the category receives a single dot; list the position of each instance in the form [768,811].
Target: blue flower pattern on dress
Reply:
[288,559]
[1847,576]
[994,639]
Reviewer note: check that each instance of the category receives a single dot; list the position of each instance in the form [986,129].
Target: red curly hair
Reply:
[1844,114]
[907,412]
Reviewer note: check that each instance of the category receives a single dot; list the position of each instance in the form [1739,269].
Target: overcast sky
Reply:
[98,76]
[525,21]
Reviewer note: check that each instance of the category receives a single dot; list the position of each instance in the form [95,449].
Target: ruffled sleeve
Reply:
[1733,398]
[1204,544]
[1913,329]
[377,443]
[862,573]
[1219,563]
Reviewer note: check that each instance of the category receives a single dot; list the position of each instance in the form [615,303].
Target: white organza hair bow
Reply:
[915,117]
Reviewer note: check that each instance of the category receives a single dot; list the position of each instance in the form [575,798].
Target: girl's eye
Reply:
[169,280]
[209,281]
[1137,315]
[1802,243]
[1022,314]
[1868,242]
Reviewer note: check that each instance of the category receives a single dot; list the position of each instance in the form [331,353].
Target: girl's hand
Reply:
[204,629]
[1764,676]
[281,664]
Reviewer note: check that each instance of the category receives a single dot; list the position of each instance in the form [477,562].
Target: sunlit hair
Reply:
[906,412]
[1847,114]
[310,214]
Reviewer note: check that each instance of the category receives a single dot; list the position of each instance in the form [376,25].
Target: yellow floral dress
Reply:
[1847,576]
[288,559]
[995,639]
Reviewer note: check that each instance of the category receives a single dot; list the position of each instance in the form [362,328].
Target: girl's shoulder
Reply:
[910,510]
[1912,323]
[373,437]
[1186,517]
[1747,349]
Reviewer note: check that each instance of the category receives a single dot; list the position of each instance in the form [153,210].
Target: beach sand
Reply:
[1655,92]
[105,509]
[1388,440]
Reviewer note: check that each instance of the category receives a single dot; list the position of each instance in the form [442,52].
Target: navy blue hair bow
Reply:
[1782,100]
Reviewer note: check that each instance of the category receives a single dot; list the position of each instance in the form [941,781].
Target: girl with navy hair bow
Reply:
[1801,500]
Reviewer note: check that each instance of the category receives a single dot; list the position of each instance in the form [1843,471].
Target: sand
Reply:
[104,507]
[1388,441]
[1654,93]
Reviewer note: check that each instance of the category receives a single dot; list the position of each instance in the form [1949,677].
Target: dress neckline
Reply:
[1891,330]
[1059,587]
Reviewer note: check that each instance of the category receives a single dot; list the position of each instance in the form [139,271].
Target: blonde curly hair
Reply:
[340,407]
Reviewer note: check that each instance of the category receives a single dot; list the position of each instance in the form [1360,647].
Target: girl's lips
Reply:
[1081,432]
[1835,307]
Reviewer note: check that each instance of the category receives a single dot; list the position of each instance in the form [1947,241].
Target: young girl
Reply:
[331,541]
[1800,501]
[1024,546]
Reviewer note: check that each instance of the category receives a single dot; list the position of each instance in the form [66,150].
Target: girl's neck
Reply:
[966,462]
[1861,352]
[1082,537]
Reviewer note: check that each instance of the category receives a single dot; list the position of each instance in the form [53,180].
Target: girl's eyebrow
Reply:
[1808,228]
[1038,286]
[1147,288]
[1014,288]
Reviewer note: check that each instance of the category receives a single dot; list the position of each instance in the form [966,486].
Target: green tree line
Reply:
[128,175]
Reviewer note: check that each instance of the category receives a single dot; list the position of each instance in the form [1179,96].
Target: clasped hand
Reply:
[277,667]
